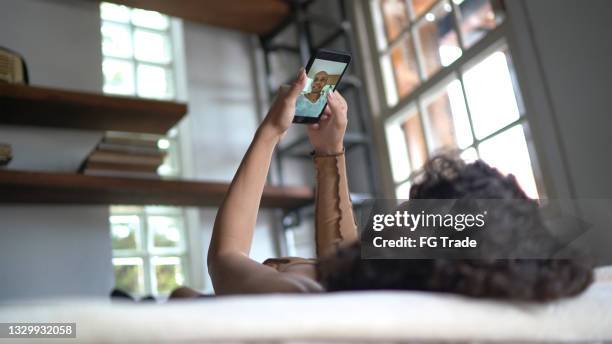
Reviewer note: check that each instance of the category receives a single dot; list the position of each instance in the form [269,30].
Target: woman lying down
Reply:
[339,265]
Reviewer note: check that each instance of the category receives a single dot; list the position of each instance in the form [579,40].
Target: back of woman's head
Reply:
[445,177]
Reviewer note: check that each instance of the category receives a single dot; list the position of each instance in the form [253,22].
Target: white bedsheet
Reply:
[346,317]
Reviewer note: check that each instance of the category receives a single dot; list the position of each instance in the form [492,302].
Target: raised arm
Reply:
[334,221]
[229,265]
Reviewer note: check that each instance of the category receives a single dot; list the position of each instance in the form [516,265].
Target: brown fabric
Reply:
[334,222]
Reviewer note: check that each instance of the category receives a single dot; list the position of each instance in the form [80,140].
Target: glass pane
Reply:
[477,18]
[125,232]
[508,152]
[168,274]
[114,12]
[416,142]
[166,231]
[163,210]
[389,80]
[378,22]
[420,6]
[171,166]
[398,152]
[395,15]
[438,39]
[404,66]
[403,191]
[469,155]
[150,19]
[490,94]
[118,76]
[151,46]
[125,209]
[447,122]
[129,275]
[154,82]
[116,40]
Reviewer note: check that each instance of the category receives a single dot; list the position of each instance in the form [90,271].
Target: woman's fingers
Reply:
[339,98]
[327,111]
[338,108]
[334,103]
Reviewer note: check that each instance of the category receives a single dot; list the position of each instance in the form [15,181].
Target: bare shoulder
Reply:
[236,274]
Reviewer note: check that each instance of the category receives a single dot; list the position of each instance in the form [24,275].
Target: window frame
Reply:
[189,257]
[501,37]
[167,66]
[146,253]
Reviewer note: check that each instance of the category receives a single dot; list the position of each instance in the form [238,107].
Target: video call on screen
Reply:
[322,79]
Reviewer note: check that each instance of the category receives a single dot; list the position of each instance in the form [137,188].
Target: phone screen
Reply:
[322,78]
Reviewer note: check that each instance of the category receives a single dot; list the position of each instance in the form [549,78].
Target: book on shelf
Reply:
[131,141]
[121,148]
[104,156]
[117,173]
[110,166]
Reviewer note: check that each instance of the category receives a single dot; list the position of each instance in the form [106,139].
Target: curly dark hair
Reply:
[447,177]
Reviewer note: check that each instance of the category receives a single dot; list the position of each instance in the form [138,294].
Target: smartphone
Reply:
[323,71]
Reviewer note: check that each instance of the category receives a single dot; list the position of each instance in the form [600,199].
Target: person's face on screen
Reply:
[319,81]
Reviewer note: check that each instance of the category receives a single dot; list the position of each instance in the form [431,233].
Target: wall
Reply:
[50,251]
[567,44]
[223,117]
[60,251]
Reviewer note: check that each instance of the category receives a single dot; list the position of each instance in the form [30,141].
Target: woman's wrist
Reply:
[329,150]
[268,133]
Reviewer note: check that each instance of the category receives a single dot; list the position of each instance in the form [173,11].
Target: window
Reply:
[449,84]
[149,243]
[137,52]
[149,249]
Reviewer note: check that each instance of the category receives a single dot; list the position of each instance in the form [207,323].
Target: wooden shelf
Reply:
[38,106]
[251,16]
[67,188]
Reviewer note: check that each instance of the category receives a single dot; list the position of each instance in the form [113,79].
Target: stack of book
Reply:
[125,157]
[6,154]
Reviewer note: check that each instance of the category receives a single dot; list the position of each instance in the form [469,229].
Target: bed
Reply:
[351,317]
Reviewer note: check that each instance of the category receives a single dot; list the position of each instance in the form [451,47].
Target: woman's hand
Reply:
[282,111]
[327,136]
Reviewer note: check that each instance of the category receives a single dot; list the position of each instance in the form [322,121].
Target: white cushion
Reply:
[333,317]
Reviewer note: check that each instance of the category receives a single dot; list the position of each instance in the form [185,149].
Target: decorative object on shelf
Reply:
[125,155]
[13,68]
[6,154]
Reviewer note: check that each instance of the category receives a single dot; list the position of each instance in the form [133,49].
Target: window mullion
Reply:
[418,53]
[456,13]
[147,255]
[422,114]
[468,111]
[134,61]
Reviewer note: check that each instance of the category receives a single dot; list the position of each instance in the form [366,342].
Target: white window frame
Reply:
[169,66]
[189,252]
[500,37]
[147,252]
